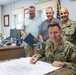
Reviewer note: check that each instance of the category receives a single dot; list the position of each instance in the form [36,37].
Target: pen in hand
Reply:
[33,60]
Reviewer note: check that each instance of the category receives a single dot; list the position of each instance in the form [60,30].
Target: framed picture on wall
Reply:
[6,20]
[26,13]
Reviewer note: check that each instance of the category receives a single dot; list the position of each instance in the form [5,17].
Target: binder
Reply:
[29,39]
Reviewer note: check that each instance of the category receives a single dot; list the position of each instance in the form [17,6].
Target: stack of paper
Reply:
[22,66]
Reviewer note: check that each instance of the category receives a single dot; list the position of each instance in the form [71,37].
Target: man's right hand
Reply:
[23,33]
[33,60]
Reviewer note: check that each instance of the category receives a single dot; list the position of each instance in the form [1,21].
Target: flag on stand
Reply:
[58,8]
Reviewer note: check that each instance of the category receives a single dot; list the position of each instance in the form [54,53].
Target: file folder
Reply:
[29,39]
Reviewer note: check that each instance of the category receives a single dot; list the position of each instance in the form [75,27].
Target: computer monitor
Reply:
[15,33]
[18,34]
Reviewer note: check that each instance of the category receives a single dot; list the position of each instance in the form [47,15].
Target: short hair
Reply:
[50,8]
[54,24]
[32,7]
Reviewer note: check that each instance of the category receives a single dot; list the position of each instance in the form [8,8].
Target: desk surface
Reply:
[20,65]
[62,71]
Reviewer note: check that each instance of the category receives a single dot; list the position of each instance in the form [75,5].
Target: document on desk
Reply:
[22,66]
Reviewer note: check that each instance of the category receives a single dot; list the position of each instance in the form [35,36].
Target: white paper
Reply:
[22,66]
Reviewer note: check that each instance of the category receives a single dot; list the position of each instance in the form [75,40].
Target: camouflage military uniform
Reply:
[69,31]
[66,52]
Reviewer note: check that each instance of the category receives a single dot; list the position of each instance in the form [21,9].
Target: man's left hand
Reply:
[57,64]
[35,39]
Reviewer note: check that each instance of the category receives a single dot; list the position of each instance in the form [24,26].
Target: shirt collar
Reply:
[33,18]
[67,24]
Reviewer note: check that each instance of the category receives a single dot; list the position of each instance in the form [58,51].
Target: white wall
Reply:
[0,19]
[70,4]
[5,11]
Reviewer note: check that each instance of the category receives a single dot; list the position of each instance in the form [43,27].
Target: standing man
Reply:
[31,25]
[43,32]
[59,52]
[68,26]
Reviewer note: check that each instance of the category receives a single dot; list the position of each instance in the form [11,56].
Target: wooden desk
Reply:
[62,71]
[11,52]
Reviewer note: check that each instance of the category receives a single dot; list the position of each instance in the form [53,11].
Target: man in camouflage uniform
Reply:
[68,26]
[58,51]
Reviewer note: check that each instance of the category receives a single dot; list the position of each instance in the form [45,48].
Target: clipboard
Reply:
[29,39]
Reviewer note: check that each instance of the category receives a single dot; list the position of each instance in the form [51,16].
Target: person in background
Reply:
[43,31]
[59,52]
[68,26]
[31,25]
